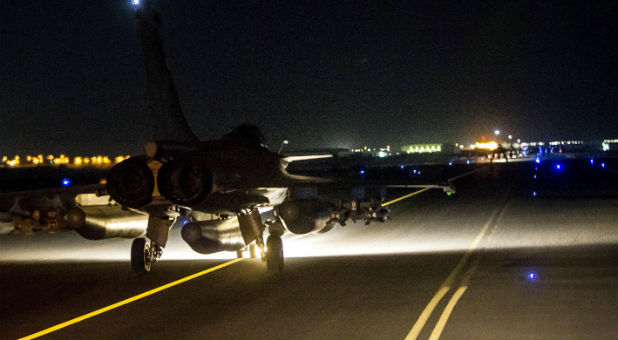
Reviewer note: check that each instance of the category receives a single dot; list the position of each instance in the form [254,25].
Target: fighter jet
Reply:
[217,188]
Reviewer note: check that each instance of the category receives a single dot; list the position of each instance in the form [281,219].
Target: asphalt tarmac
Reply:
[510,256]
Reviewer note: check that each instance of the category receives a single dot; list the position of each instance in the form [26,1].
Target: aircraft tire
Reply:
[274,255]
[139,256]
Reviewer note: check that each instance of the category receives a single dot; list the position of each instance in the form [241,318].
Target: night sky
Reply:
[322,74]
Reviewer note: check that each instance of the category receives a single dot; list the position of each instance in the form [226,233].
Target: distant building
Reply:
[422,148]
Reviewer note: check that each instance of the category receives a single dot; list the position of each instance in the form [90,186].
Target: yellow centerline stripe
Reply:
[437,331]
[404,197]
[422,319]
[446,285]
[435,334]
[129,300]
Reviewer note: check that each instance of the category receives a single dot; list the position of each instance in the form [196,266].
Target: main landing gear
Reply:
[274,253]
[144,253]
[274,246]
[273,256]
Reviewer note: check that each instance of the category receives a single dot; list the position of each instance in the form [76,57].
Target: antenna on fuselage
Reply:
[283,142]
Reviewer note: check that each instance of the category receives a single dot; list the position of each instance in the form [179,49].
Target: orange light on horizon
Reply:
[486,145]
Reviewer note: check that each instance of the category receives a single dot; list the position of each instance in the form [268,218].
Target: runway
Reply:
[523,250]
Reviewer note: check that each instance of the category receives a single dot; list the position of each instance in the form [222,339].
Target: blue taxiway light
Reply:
[558,166]
[414,171]
[450,163]
[185,222]
[537,160]
[532,275]
[66,182]
[135,2]
[402,166]
[534,193]
[362,172]
[602,165]
[591,161]
[534,176]
[468,162]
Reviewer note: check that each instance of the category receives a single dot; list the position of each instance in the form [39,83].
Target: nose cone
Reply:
[76,218]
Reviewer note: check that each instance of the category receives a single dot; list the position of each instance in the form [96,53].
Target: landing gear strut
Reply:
[144,253]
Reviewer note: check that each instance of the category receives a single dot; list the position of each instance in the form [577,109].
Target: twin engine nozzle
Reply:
[182,181]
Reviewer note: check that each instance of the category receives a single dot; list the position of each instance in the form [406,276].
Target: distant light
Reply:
[558,166]
[402,166]
[496,132]
[450,163]
[602,165]
[468,162]
[419,172]
[510,136]
[532,276]
[536,168]
[184,222]
[414,171]
[591,161]
[537,160]
[135,2]
[534,193]
[534,176]
[66,182]
[362,172]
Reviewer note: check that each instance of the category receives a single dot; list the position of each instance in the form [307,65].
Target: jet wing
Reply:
[99,189]
[285,161]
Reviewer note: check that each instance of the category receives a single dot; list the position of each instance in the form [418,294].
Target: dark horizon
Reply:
[319,74]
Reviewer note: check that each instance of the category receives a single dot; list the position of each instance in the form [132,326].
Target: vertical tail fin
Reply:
[168,120]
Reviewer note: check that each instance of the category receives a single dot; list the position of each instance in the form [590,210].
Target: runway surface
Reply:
[510,256]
